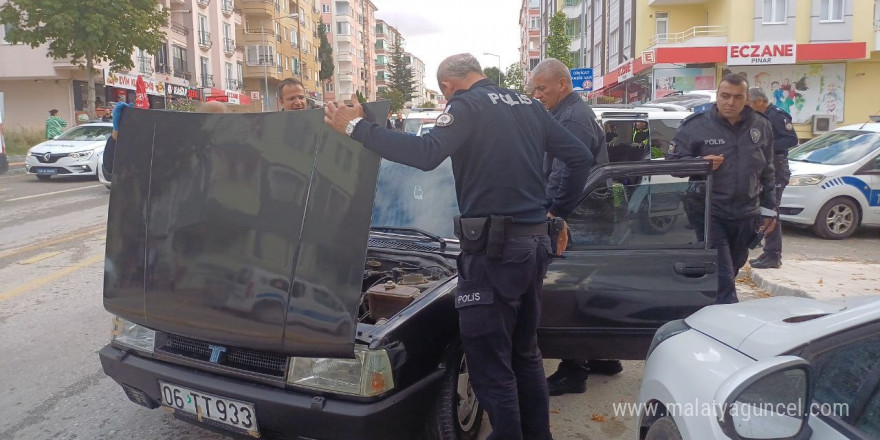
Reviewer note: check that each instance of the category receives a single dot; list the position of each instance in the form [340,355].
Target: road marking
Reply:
[49,278]
[44,244]
[51,193]
[40,257]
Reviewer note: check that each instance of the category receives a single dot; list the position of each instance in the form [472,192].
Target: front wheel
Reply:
[663,429]
[457,414]
[837,219]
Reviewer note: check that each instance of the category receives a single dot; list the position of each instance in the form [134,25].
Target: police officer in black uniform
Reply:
[739,142]
[784,138]
[551,84]
[497,139]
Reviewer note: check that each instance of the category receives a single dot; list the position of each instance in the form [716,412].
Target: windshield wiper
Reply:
[806,160]
[418,231]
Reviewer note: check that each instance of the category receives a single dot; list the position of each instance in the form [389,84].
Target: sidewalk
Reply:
[819,279]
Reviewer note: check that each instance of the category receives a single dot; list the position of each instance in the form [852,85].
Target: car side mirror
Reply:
[767,400]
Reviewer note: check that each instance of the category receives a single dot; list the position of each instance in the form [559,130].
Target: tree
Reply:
[325,53]
[492,73]
[361,98]
[514,78]
[87,31]
[397,99]
[429,104]
[558,41]
[400,75]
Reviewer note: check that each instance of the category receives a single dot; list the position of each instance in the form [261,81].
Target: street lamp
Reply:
[266,48]
[499,66]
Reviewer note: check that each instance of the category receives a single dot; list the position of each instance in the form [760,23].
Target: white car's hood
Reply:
[759,328]
[56,146]
[803,168]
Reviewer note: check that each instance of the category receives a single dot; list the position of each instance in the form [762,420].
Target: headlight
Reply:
[667,331]
[82,155]
[368,374]
[806,179]
[133,335]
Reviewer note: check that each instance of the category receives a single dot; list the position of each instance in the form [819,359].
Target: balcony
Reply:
[696,36]
[227,7]
[259,7]
[145,65]
[203,3]
[234,84]
[178,28]
[345,77]
[163,68]
[343,38]
[205,40]
[206,81]
[262,60]
[182,73]
[228,46]
[344,57]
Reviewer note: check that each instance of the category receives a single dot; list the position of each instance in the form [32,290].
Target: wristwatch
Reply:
[349,129]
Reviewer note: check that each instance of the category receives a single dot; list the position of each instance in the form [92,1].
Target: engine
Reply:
[393,281]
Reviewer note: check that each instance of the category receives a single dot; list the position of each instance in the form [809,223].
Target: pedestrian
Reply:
[398,123]
[291,95]
[551,84]
[784,138]
[497,139]
[54,124]
[739,142]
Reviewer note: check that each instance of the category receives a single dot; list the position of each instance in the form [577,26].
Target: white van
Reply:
[835,182]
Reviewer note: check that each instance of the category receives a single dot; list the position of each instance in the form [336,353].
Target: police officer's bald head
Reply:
[458,72]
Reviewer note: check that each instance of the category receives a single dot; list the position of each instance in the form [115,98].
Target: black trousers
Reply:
[499,307]
[731,238]
[773,240]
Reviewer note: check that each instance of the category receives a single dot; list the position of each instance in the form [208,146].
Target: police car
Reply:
[835,182]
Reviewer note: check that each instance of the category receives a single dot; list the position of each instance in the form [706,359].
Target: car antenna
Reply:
[872,118]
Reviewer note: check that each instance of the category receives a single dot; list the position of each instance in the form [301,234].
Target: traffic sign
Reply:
[582,79]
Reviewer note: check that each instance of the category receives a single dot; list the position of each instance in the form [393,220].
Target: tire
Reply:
[454,417]
[837,219]
[658,224]
[663,429]
[44,178]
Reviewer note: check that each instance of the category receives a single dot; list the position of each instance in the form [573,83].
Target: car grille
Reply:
[248,360]
[52,159]
[403,244]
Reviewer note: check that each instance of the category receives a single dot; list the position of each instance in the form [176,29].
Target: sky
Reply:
[434,30]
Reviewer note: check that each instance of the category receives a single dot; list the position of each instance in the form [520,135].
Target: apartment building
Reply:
[387,37]
[530,36]
[352,24]
[418,70]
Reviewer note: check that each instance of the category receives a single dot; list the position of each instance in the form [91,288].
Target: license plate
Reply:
[47,171]
[230,412]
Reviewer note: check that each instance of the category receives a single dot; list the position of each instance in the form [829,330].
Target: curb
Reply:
[772,287]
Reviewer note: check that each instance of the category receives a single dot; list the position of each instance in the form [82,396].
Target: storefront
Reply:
[237,101]
[120,87]
[628,83]
[182,98]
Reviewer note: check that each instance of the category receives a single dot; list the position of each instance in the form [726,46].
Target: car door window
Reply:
[658,210]
[662,132]
[846,382]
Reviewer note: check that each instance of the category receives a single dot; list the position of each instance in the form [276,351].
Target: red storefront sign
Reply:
[761,53]
[802,53]
[218,98]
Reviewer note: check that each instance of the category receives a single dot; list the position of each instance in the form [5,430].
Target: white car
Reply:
[776,368]
[415,119]
[72,153]
[835,181]
[425,129]
[102,174]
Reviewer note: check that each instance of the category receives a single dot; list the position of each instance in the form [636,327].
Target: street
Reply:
[52,323]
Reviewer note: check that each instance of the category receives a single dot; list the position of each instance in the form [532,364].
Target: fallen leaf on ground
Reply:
[554,411]
[598,418]
[820,281]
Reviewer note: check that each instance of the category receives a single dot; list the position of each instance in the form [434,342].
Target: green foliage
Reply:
[400,77]
[492,74]
[361,98]
[325,54]
[514,78]
[182,105]
[87,31]
[429,104]
[19,140]
[395,96]
[558,41]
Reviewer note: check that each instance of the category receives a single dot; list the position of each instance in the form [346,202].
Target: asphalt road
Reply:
[52,323]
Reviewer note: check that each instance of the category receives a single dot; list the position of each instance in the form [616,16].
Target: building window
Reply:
[260,55]
[342,28]
[613,42]
[597,55]
[571,28]
[178,57]
[534,22]
[661,26]
[325,8]
[572,2]
[627,33]
[831,10]
[774,11]
[329,87]
[162,59]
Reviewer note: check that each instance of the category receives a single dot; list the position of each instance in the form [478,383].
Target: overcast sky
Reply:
[434,30]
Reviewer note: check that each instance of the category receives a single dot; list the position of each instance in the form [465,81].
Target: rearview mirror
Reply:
[767,400]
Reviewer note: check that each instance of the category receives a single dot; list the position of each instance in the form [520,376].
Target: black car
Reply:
[252,294]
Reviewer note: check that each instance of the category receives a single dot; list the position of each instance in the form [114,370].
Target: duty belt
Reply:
[523,230]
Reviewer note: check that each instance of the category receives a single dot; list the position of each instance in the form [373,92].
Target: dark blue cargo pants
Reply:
[731,238]
[499,306]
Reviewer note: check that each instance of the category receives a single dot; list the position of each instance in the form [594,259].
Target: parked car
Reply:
[776,368]
[425,129]
[415,119]
[620,125]
[835,182]
[72,153]
[682,101]
[307,291]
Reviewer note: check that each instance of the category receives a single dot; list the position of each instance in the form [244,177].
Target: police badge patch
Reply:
[789,127]
[756,135]
[444,120]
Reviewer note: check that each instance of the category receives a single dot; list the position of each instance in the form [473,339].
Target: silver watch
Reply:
[349,128]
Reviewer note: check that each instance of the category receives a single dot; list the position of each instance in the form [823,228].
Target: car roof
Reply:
[871,126]
[94,124]
[652,115]
[427,114]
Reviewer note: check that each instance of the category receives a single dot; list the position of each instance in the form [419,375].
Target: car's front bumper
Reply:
[281,413]
[64,166]
[800,204]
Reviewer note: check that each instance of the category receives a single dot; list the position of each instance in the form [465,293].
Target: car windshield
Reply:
[412,198]
[688,101]
[838,147]
[86,133]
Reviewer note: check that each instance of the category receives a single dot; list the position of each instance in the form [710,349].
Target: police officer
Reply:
[739,142]
[497,139]
[551,84]
[784,137]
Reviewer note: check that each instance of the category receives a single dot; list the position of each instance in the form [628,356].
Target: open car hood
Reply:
[246,230]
